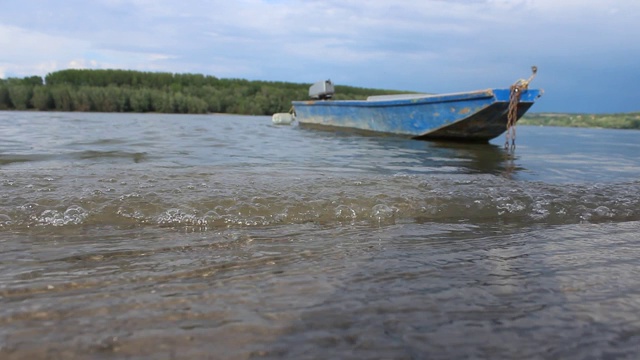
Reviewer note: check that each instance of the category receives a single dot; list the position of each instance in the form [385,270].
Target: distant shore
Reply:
[608,121]
[152,92]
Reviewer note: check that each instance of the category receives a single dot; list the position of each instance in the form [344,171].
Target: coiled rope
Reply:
[512,115]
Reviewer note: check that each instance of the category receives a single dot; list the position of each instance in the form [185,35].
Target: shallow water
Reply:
[164,236]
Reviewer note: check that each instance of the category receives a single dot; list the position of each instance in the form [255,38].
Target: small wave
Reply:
[92,154]
[376,201]
[7,159]
[73,215]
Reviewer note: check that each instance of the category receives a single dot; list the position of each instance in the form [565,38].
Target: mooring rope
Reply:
[512,115]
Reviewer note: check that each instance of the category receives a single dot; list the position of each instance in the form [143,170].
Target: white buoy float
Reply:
[283,118]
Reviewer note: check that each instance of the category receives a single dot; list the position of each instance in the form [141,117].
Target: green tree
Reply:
[20,96]
[32,80]
[42,99]
[62,98]
[126,90]
[141,101]
[5,100]
[81,100]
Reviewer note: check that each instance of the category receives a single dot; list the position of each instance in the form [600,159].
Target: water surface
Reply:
[173,236]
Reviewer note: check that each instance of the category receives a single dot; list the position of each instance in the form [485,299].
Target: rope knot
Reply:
[512,114]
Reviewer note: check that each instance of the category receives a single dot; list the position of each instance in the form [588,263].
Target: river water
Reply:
[171,236]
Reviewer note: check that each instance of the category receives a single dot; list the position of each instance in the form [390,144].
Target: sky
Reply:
[587,51]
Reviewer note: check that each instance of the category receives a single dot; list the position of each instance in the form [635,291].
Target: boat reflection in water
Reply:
[399,154]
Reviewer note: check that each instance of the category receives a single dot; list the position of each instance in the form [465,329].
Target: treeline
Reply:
[609,121]
[135,91]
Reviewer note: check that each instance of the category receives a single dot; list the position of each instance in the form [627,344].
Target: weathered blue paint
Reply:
[474,116]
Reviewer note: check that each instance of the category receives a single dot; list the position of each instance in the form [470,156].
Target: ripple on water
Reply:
[251,201]
[288,243]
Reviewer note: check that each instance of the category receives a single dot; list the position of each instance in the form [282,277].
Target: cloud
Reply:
[25,52]
[431,45]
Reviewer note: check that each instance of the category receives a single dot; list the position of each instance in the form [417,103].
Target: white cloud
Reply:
[431,45]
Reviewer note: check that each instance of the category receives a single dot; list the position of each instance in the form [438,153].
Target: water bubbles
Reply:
[586,216]
[344,212]
[29,207]
[211,216]
[603,211]
[256,221]
[383,212]
[539,211]
[174,217]
[5,220]
[128,212]
[599,213]
[133,195]
[506,204]
[51,217]
[74,215]
[429,210]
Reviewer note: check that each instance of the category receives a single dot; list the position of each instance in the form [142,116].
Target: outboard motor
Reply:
[322,90]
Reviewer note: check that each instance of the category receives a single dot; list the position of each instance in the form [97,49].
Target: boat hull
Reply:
[471,116]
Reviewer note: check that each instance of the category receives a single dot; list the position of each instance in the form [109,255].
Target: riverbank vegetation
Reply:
[135,91]
[610,121]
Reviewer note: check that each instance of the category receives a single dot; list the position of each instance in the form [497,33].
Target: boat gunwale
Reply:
[412,99]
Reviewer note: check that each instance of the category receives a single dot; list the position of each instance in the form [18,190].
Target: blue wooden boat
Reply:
[468,116]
